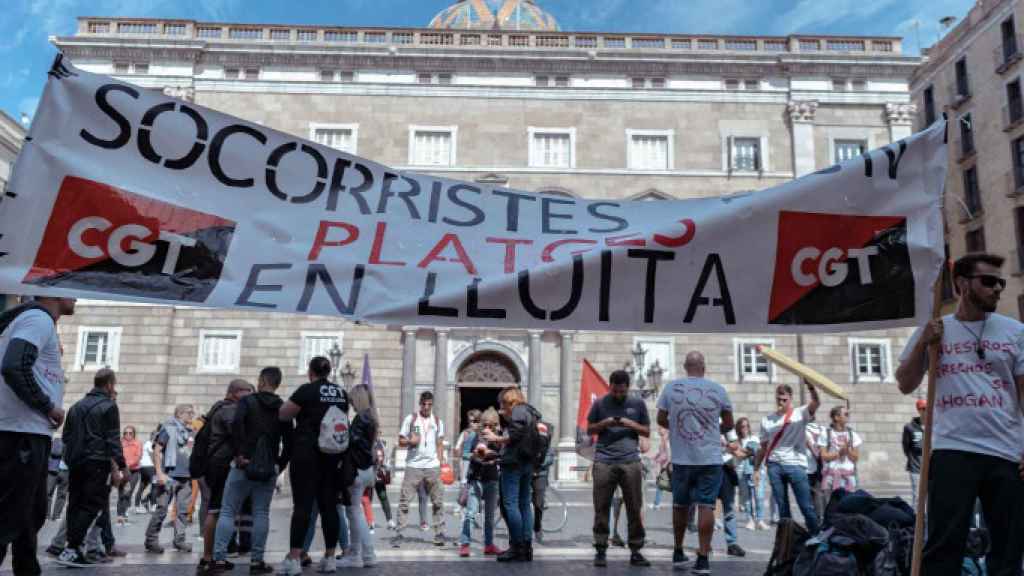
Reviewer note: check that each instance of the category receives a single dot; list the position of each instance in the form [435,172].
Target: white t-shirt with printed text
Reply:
[37,328]
[833,441]
[430,429]
[791,449]
[976,404]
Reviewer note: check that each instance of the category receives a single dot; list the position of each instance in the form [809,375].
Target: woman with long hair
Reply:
[362,442]
[516,475]
[751,493]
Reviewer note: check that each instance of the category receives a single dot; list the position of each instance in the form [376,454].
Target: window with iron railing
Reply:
[614,42]
[208,32]
[306,35]
[966,135]
[1009,33]
[849,149]
[776,45]
[963,88]
[743,45]
[929,105]
[346,36]
[1017,153]
[280,34]
[845,45]
[553,41]
[375,37]
[1014,102]
[586,41]
[469,40]
[972,195]
[245,33]
[882,46]
[681,44]
[809,45]
[137,28]
[99,28]
[707,44]
[519,41]
[402,38]
[648,42]
[175,29]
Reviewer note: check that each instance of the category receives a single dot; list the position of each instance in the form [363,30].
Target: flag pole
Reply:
[926,452]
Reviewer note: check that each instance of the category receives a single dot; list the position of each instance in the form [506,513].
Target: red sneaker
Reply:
[491,550]
[464,551]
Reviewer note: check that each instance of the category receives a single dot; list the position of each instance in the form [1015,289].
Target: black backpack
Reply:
[535,445]
[790,538]
[263,465]
[199,460]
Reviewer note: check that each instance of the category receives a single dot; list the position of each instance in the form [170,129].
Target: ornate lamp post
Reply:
[654,374]
[348,375]
[335,354]
[637,374]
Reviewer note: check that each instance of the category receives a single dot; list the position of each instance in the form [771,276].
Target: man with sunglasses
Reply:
[977,449]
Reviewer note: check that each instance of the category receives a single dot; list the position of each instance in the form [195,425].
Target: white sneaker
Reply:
[290,567]
[141,510]
[762,526]
[392,525]
[328,565]
[750,525]
[351,561]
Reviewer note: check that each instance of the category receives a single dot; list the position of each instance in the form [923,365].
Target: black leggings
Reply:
[382,495]
[313,478]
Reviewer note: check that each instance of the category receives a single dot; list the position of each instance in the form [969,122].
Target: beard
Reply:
[979,302]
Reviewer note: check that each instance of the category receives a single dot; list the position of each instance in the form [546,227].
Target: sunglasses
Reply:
[989,280]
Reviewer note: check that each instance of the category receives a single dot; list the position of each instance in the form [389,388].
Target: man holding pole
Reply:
[977,423]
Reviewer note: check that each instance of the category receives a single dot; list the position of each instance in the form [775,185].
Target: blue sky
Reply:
[25,53]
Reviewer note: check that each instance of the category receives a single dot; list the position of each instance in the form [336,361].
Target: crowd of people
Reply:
[328,440]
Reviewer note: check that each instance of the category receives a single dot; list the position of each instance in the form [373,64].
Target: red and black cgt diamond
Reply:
[836,268]
[104,239]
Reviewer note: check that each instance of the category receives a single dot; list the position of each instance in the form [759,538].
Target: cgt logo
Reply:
[101,238]
[836,268]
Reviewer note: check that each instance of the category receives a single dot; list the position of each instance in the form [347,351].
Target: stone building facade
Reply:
[599,115]
[12,134]
[973,76]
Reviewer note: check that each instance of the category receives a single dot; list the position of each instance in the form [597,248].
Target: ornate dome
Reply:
[495,14]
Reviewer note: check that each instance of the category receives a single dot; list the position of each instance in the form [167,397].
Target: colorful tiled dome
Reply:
[494,14]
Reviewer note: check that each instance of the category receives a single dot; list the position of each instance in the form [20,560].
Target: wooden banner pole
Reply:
[926,452]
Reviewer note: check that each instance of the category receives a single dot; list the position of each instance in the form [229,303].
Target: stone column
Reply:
[535,392]
[567,412]
[441,381]
[408,397]
[901,119]
[801,117]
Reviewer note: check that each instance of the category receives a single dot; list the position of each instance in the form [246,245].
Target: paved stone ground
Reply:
[566,553]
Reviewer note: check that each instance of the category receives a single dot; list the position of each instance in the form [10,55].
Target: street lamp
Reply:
[335,354]
[654,374]
[348,375]
[639,376]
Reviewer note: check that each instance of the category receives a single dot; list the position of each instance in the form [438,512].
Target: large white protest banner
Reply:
[123,193]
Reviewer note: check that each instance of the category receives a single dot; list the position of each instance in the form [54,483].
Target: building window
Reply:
[870,360]
[1009,32]
[648,43]
[746,154]
[317,344]
[972,196]
[681,44]
[776,45]
[846,45]
[99,27]
[306,35]
[929,105]
[966,135]
[586,42]
[347,36]
[121,68]
[402,38]
[377,38]
[137,28]
[740,45]
[615,42]
[562,81]
[174,29]
[346,76]
[338,136]
[849,149]
[327,75]
[540,80]
[470,40]
[974,240]
[1020,307]
[1017,151]
[280,34]
[219,350]
[658,350]
[658,83]
[208,32]
[98,347]
[1019,221]
[809,45]
[858,85]
[552,147]
[432,146]
[245,33]
[881,45]
[650,149]
[639,83]
[444,78]
[963,88]
[751,365]
[141,68]
[425,78]
[232,73]
[732,84]
[252,73]
[1014,103]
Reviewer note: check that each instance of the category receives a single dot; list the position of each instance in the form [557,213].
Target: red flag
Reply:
[592,387]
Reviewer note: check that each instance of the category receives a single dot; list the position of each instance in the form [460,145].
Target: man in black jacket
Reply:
[913,446]
[31,397]
[92,446]
[256,443]
[221,450]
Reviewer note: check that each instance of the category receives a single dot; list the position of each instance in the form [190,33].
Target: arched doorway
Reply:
[479,379]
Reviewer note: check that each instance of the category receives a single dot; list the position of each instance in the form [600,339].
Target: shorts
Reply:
[695,485]
[216,478]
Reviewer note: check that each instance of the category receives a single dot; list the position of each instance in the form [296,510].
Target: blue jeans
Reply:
[752,496]
[784,476]
[487,493]
[343,536]
[516,489]
[237,488]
